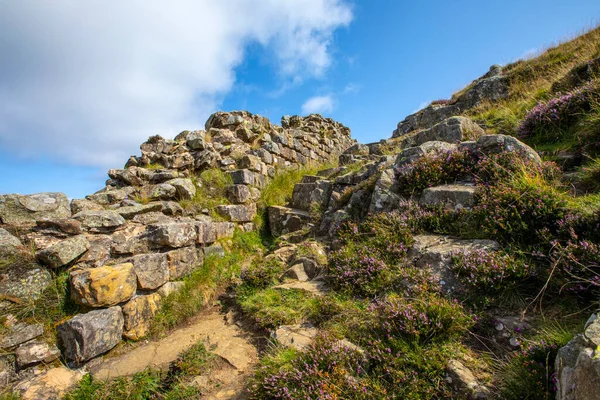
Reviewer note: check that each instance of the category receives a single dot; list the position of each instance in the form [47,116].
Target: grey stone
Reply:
[25,284]
[10,246]
[169,288]
[298,337]
[307,195]
[152,270]
[224,229]
[64,252]
[129,212]
[172,234]
[238,194]
[78,205]
[100,221]
[195,140]
[456,196]
[494,144]
[207,232]
[16,209]
[182,262]
[111,196]
[163,191]
[284,220]
[184,188]
[86,336]
[65,225]
[464,382]
[21,333]
[296,272]
[35,352]
[237,212]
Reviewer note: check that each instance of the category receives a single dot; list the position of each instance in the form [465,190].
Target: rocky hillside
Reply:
[456,259]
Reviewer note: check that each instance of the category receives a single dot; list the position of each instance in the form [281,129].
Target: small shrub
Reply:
[489,270]
[263,273]
[549,120]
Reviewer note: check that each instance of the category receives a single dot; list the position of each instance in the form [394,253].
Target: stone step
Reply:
[459,195]
[283,220]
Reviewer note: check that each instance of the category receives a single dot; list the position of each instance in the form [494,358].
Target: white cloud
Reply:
[87,81]
[318,104]
[351,88]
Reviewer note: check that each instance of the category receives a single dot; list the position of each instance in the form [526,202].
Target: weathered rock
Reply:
[170,287]
[238,194]
[100,221]
[64,252]
[25,284]
[434,253]
[152,270]
[86,336]
[35,352]
[182,262]
[111,196]
[296,272]
[577,365]
[65,225]
[487,89]
[130,212]
[384,197]
[224,229]
[130,240]
[207,232]
[284,220]
[315,287]
[425,118]
[51,385]
[16,209]
[412,154]
[298,337]
[237,212]
[78,205]
[195,140]
[172,234]
[10,246]
[162,191]
[138,314]
[464,382]
[493,144]
[456,196]
[184,188]
[307,195]
[103,286]
[21,333]
[451,130]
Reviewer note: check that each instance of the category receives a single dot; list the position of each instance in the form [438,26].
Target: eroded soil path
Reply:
[219,334]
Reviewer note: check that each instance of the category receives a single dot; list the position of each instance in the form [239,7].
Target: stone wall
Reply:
[122,255]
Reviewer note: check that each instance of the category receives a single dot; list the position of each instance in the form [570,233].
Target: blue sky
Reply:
[83,84]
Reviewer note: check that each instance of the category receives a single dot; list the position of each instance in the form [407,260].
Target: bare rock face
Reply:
[100,221]
[9,245]
[577,365]
[103,286]
[138,314]
[182,262]
[64,252]
[21,333]
[16,209]
[464,382]
[172,234]
[152,270]
[88,335]
[492,144]
[284,220]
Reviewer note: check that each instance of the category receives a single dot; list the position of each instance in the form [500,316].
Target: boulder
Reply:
[129,212]
[207,232]
[86,336]
[307,195]
[64,252]
[456,196]
[16,209]
[224,229]
[577,365]
[20,333]
[110,196]
[237,212]
[100,221]
[25,284]
[284,220]
[64,225]
[385,197]
[172,234]
[103,286]
[238,194]
[182,262]
[152,270]
[195,140]
[10,246]
[138,314]
[296,272]
[412,154]
[493,144]
[35,352]
[78,205]
[163,191]
[464,382]
[184,187]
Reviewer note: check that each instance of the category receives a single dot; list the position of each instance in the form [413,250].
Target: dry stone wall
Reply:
[124,255]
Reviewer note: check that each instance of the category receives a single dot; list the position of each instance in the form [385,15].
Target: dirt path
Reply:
[224,339]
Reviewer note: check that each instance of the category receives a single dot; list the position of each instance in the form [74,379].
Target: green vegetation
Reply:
[204,283]
[211,188]
[152,384]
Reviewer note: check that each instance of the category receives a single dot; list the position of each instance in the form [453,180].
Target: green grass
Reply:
[151,384]
[211,188]
[154,166]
